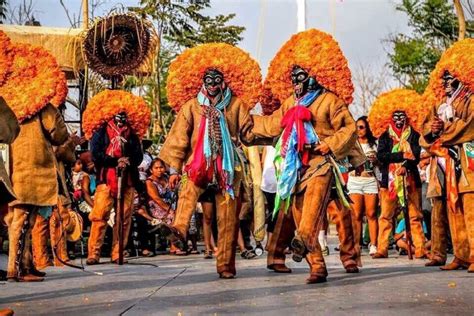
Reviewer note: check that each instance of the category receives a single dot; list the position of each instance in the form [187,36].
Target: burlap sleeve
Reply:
[343,124]
[178,142]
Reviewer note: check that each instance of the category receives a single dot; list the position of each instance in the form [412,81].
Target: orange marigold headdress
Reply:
[459,61]
[406,100]
[268,101]
[318,53]
[241,73]
[6,58]
[32,82]
[104,105]
[61,91]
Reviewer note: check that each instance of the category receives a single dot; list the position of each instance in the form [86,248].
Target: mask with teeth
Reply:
[214,82]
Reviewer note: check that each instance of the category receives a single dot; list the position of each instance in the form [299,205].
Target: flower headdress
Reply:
[268,101]
[387,103]
[6,58]
[459,61]
[241,73]
[104,105]
[320,55]
[61,91]
[32,81]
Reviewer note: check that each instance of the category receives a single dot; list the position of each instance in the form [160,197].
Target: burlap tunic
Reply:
[9,129]
[332,122]
[33,163]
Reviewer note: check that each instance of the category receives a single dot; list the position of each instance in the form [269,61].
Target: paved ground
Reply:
[190,286]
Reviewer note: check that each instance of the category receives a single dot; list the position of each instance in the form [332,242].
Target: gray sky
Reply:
[358,25]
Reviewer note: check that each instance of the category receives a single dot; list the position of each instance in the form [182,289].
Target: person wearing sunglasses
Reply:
[363,188]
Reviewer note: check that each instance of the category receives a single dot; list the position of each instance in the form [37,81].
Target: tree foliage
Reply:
[3,10]
[434,28]
[179,24]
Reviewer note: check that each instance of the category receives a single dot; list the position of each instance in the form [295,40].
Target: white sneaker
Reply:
[372,250]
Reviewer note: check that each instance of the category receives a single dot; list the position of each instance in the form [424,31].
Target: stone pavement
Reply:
[170,285]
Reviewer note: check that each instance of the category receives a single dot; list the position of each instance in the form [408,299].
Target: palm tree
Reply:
[3,10]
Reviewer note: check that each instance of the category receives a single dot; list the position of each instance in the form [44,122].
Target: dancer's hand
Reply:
[323,148]
[173,181]
[401,171]
[408,156]
[437,126]
[123,162]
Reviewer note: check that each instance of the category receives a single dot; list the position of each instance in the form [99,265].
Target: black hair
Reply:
[154,161]
[368,132]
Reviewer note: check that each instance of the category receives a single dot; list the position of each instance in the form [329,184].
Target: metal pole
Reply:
[85,14]
[301,15]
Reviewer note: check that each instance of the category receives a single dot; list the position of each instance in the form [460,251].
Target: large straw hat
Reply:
[74,232]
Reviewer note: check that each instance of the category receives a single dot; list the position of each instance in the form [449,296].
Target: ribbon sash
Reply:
[291,154]
[206,164]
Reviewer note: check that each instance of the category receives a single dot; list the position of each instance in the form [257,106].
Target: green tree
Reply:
[179,25]
[434,28]
[3,10]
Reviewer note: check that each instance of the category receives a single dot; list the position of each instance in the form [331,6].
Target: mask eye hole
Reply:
[218,80]
[301,77]
[208,80]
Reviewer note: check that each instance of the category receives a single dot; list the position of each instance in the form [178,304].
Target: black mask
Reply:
[121,119]
[450,83]
[399,118]
[301,81]
[214,82]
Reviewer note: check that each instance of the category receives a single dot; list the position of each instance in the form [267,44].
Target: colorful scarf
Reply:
[396,183]
[451,184]
[118,136]
[214,156]
[291,154]
[447,113]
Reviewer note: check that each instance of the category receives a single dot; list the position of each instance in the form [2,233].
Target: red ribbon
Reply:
[296,116]
[197,170]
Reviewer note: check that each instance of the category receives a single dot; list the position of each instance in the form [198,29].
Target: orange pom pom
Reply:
[387,103]
[268,101]
[459,61]
[61,91]
[241,73]
[33,80]
[6,58]
[318,53]
[104,105]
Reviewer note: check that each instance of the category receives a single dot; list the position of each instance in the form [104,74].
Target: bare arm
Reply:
[86,193]
[153,194]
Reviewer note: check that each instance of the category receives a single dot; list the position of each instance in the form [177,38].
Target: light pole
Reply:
[301,15]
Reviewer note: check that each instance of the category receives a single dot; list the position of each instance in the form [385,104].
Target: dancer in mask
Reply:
[117,153]
[394,117]
[213,86]
[448,134]
[315,133]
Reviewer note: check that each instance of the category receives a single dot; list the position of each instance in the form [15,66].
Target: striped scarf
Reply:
[290,154]
[396,183]
[214,156]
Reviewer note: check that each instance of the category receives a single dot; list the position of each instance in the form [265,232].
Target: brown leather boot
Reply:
[455,265]
[471,268]
[26,278]
[315,278]
[352,268]
[173,235]
[35,272]
[435,263]
[6,312]
[226,275]
[378,255]
[279,268]
[92,261]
